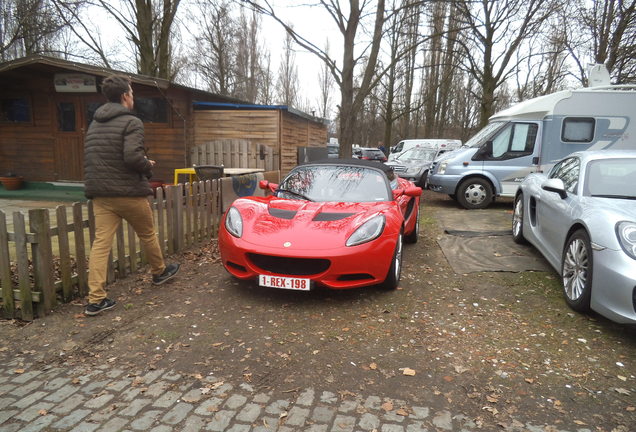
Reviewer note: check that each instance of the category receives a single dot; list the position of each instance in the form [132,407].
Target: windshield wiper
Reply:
[299,195]
[615,196]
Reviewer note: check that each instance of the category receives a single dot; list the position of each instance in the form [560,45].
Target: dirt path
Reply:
[500,347]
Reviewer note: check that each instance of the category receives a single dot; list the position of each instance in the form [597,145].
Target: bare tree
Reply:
[325,83]
[248,58]
[604,31]
[28,27]
[215,48]
[350,24]
[495,31]
[287,86]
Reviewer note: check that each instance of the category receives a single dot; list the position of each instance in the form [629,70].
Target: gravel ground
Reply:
[499,347]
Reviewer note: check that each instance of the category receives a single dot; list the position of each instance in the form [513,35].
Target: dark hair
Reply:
[114,86]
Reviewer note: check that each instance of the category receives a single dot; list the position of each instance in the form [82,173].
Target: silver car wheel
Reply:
[575,269]
[517,220]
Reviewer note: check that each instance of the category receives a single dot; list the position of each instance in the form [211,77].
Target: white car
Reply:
[582,218]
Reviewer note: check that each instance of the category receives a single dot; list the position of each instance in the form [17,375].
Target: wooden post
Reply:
[65,253]
[22,264]
[80,249]
[8,307]
[43,257]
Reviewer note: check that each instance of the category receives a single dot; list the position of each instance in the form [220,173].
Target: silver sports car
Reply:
[582,218]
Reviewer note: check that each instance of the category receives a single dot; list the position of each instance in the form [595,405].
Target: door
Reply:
[73,115]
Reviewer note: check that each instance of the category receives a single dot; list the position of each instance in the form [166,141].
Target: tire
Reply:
[413,235]
[577,271]
[517,220]
[393,276]
[474,193]
[423,183]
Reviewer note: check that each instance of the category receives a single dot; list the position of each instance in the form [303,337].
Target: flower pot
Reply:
[12,183]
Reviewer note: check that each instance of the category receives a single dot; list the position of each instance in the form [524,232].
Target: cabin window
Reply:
[578,130]
[66,117]
[15,110]
[152,110]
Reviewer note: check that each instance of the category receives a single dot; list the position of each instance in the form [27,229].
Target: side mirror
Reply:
[393,150]
[263,184]
[413,191]
[555,185]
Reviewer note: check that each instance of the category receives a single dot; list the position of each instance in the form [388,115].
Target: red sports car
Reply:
[339,223]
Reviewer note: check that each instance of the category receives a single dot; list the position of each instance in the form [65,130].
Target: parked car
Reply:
[333,150]
[582,218]
[439,144]
[338,223]
[414,164]
[368,153]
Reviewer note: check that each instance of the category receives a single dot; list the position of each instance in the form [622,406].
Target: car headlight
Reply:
[368,231]
[413,171]
[442,168]
[626,233]
[234,222]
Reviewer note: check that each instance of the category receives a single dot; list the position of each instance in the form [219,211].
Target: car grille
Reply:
[399,168]
[289,266]
[433,167]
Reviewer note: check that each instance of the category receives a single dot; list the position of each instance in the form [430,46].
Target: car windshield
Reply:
[480,137]
[611,178]
[332,150]
[418,153]
[340,183]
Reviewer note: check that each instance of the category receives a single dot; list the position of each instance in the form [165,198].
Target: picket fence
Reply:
[36,279]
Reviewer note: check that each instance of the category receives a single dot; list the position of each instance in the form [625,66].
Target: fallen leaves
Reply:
[408,371]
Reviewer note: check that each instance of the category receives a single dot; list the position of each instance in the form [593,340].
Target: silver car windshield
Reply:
[611,178]
[480,137]
[418,153]
[335,183]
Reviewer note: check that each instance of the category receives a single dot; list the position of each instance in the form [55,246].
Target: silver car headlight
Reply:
[368,231]
[234,222]
[626,233]
[442,168]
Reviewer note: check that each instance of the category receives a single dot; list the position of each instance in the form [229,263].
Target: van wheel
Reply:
[474,193]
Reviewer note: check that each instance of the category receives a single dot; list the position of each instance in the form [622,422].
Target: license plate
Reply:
[300,284]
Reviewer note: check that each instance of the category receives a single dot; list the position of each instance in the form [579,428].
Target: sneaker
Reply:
[96,308]
[170,271]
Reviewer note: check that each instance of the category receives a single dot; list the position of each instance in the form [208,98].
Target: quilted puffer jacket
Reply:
[115,163]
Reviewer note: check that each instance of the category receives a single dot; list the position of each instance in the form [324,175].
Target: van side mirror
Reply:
[393,150]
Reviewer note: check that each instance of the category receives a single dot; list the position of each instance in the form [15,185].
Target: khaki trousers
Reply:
[109,212]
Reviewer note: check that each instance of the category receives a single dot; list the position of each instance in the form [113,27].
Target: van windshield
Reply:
[480,137]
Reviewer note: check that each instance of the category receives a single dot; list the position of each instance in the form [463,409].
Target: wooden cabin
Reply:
[46,105]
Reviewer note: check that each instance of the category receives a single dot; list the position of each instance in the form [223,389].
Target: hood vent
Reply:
[330,217]
[282,214]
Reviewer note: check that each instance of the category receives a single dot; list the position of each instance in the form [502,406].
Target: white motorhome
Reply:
[441,145]
[532,136]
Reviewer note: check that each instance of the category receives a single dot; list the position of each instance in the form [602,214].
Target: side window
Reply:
[515,140]
[152,110]
[568,171]
[15,110]
[578,130]
[398,148]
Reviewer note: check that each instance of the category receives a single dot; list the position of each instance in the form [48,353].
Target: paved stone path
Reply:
[108,398]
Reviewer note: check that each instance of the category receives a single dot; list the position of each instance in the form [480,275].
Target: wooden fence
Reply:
[34,280]
[235,153]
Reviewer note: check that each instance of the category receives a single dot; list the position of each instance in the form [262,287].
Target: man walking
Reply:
[116,173]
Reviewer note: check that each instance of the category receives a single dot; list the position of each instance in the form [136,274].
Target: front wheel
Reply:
[393,277]
[413,235]
[517,220]
[474,193]
[577,271]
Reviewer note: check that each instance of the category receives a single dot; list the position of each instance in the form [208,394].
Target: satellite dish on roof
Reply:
[598,76]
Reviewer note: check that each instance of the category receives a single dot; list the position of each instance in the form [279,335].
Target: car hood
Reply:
[283,223]
[462,152]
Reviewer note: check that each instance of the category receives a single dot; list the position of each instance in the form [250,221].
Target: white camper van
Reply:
[532,136]
[441,145]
